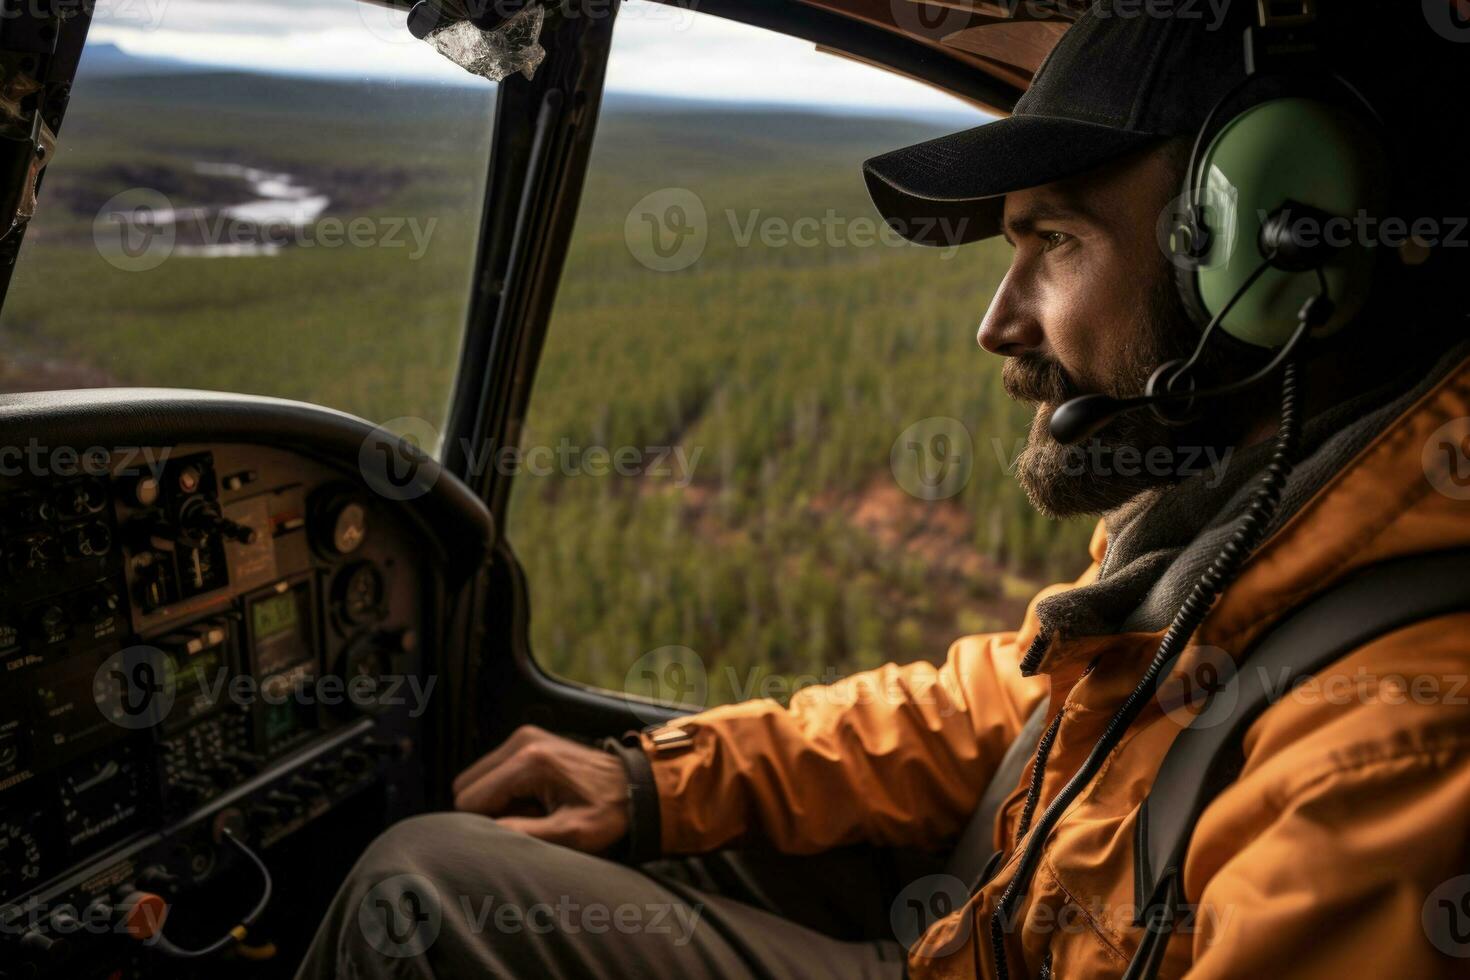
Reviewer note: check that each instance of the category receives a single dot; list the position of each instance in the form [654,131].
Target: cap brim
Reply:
[951,190]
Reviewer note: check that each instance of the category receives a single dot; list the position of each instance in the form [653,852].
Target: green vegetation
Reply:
[790,371]
[369,330]
[784,373]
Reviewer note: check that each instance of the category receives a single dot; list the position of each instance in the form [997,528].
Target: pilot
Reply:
[1279,398]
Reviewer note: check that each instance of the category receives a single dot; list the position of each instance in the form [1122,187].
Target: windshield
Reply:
[276,197]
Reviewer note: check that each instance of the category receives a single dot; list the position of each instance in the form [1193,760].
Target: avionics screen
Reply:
[274,615]
[280,630]
[65,708]
[198,680]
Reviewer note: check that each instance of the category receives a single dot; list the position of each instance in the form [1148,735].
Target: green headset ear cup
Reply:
[1286,150]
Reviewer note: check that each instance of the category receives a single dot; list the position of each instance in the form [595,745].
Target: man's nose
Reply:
[1010,327]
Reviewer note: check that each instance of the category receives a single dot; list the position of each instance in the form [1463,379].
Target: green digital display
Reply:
[281,720]
[195,673]
[274,615]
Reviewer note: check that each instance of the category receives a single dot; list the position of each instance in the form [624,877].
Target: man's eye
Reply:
[1052,239]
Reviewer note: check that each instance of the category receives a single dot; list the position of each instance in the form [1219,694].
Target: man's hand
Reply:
[549,787]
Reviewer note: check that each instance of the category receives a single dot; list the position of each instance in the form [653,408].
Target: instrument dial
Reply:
[361,594]
[20,856]
[349,528]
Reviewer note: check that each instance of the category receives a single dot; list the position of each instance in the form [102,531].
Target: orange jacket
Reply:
[1321,860]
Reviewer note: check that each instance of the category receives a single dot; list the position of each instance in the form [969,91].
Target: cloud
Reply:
[657,49]
[251,17]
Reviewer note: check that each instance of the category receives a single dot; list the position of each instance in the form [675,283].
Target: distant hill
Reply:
[101,59]
[149,76]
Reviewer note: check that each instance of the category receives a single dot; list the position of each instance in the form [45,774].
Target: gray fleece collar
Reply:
[1160,543]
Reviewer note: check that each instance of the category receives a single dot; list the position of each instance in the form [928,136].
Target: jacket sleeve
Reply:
[896,756]
[1362,865]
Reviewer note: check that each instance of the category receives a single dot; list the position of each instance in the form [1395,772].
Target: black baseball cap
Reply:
[1123,77]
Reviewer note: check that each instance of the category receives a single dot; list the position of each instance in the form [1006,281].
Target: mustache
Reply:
[1033,377]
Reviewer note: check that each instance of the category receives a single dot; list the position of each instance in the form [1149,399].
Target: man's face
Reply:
[1088,306]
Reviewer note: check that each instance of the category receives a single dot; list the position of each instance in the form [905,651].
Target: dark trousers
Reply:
[453,895]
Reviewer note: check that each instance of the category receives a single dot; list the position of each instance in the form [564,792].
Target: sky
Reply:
[656,50]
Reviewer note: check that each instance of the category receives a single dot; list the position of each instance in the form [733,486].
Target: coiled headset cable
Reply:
[1249,532]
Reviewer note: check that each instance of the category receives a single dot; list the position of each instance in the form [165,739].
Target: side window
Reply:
[265,196]
[763,448]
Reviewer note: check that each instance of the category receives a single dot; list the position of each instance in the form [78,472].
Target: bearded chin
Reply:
[1069,480]
[1090,477]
